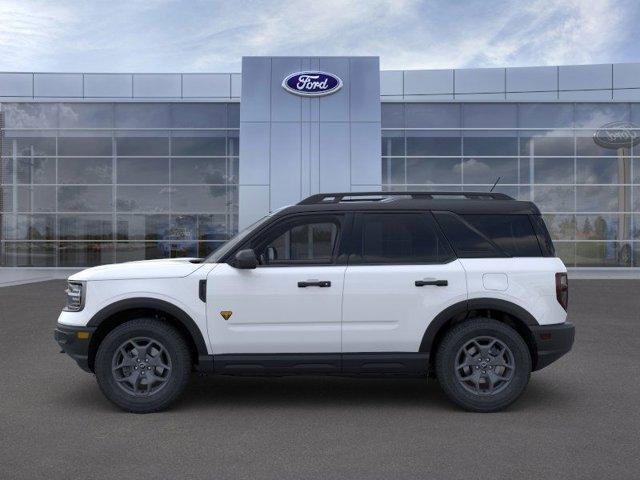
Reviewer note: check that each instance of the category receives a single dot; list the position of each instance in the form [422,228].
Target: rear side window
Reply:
[466,240]
[544,239]
[514,234]
[401,238]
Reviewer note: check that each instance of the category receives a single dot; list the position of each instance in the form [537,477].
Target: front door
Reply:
[290,303]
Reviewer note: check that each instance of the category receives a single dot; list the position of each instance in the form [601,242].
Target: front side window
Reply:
[299,241]
[401,238]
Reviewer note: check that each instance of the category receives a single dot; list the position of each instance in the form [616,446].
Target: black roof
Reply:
[457,202]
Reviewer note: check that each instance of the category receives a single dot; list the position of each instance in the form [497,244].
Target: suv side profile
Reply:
[461,286]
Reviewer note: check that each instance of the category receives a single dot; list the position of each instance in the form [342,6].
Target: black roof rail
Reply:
[378,196]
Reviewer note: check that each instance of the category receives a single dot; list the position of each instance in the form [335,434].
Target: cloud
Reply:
[168,36]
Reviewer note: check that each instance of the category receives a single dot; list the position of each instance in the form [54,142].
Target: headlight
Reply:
[75,297]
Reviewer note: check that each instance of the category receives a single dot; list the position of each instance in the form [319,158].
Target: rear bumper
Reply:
[77,347]
[552,342]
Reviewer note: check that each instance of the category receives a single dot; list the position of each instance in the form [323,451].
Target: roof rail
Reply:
[379,196]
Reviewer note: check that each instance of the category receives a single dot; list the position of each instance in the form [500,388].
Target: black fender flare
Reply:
[156,304]
[464,307]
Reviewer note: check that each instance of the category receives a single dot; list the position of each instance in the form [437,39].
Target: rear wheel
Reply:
[143,365]
[483,365]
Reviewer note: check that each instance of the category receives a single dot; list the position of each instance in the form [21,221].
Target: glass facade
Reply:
[544,152]
[84,184]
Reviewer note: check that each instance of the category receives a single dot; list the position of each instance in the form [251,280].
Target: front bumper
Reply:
[75,341]
[552,342]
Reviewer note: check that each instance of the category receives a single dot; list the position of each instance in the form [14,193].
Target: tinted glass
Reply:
[466,241]
[401,237]
[512,233]
[306,242]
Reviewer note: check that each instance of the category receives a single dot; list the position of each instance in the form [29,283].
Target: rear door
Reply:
[403,273]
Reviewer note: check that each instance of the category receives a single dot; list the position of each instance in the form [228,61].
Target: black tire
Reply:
[468,394]
[175,354]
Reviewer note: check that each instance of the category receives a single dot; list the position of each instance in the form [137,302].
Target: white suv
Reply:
[463,286]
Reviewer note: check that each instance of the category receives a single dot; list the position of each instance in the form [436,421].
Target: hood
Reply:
[163,268]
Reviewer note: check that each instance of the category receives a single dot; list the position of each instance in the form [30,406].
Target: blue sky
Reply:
[212,36]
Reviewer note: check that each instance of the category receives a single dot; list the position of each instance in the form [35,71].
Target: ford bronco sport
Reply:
[462,286]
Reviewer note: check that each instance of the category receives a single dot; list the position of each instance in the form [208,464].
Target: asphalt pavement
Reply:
[578,419]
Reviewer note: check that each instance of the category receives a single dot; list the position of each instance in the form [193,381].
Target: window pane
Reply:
[199,170]
[79,254]
[442,143]
[199,115]
[142,115]
[36,199]
[434,170]
[35,227]
[544,145]
[487,115]
[143,199]
[36,170]
[85,199]
[85,170]
[132,251]
[392,143]
[233,112]
[6,199]
[39,254]
[233,143]
[561,227]
[432,115]
[598,114]
[308,242]
[566,251]
[91,146]
[487,170]
[603,254]
[603,227]
[602,199]
[490,145]
[392,115]
[142,227]
[85,227]
[212,145]
[6,170]
[603,170]
[142,146]
[388,238]
[93,115]
[30,115]
[585,145]
[512,233]
[29,146]
[393,170]
[554,199]
[553,170]
[142,170]
[212,227]
[545,115]
[200,199]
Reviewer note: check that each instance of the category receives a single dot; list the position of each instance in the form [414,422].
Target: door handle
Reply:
[314,283]
[437,283]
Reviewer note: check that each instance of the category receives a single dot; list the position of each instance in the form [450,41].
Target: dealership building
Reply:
[101,168]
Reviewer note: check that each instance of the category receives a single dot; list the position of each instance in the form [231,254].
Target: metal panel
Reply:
[532,79]
[108,85]
[427,98]
[253,204]
[285,107]
[16,84]
[586,95]
[584,77]
[365,154]
[629,94]
[531,96]
[254,153]
[256,89]
[334,157]
[206,85]
[364,82]
[479,80]
[391,82]
[335,107]
[626,75]
[156,85]
[428,82]
[480,97]
[285,163]
[57,85]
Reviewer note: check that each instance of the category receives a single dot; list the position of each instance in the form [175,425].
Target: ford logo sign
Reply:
[616,135]
[312,84]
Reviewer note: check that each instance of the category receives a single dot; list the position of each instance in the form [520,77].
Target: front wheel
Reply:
[143,365]
[483,365]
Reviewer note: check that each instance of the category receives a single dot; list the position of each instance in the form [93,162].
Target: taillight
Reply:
[562,290]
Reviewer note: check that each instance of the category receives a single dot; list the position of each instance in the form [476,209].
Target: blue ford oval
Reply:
[312,83]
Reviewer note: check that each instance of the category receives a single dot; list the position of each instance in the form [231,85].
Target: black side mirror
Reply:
[246,259]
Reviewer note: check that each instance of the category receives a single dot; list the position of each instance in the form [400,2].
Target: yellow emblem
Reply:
[226,314]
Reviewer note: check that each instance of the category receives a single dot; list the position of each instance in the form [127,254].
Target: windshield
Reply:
[234,241]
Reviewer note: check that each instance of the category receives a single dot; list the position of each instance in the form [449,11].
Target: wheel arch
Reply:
[502,310]
[123,310]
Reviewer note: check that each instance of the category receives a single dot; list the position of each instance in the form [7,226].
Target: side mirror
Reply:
[246,259]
